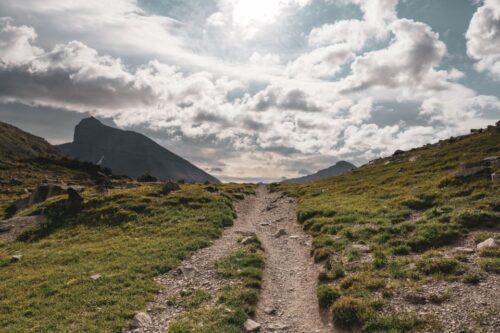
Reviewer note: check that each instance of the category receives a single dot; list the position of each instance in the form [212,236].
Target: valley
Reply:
[406,243]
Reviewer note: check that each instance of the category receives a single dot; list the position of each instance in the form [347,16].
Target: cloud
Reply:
[483,38]
[15,43]
[322,62]
[410,60]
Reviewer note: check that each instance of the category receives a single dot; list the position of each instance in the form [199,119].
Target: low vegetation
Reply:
[392,224]
[234,303]
[91,272]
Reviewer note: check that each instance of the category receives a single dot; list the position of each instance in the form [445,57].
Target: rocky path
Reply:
[288,300]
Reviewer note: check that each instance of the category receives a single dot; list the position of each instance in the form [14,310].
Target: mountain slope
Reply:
[399,237]
[129,153]
[335,170]
[16,144]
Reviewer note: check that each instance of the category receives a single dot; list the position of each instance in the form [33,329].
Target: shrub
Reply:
[348,312]
[433,234]
[327,295]
[147,178]
[491,265]
[401,250]
[476,218]
[421,202]
[473,277]
[430,266]
[380,260]
[391,323]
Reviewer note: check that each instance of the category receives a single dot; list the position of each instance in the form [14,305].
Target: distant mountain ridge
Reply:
[129,153]
[335,170]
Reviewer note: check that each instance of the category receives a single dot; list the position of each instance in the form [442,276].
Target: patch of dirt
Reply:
[288,300]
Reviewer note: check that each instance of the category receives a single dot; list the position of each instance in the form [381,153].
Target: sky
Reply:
[254,90]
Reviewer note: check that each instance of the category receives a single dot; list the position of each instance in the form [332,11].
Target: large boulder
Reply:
[170,187]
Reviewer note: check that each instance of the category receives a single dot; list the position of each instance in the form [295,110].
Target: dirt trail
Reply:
[288,300]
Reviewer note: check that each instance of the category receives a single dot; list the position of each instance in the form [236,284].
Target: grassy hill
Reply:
[390,228]
[16,144]
[127,236]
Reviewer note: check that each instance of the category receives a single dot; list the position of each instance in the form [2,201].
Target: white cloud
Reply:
[15,44]
[483,38]
[321,62]
[217,19]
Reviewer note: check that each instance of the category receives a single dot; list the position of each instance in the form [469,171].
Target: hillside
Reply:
[129,153]
[397,238]
[335,170]
[27,160]
[16,144]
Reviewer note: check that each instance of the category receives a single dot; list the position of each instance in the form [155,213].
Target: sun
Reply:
[255,13]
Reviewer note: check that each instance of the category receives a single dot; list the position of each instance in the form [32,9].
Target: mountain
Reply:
[129,153]
[16,144]
[338,169]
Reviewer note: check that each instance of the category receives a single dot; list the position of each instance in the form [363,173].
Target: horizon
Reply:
[255,90]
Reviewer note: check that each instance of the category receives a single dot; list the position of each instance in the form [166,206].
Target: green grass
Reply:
[400,207]
[127,236]
[235,302]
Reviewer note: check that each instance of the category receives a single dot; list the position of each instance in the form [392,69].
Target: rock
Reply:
[415,298]
[251,326]
[466,172]
[141,319]
[279,233]
[75,200]
[17,257]
[247,240]
[270,311]
[96,277]
[361,248]
[188,271]
[212,189]
[414,158]
[464,250]
[170,187]
[490,242]
[12,228]
[398,153]
[294,237]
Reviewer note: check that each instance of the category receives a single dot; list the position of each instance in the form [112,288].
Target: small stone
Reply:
[294,237]
[188,271]
[246,240]
[141,319]
[464,250]
[96,277]
[270,311]
[17,257]
[361,248]
[490,242]
[279,233]
[416,298]
[251,326]
[495,177]
[265,224]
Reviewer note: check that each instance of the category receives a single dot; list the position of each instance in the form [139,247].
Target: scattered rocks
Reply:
[96,277]
[279,233]
[170,187]
[490,242]
[141,319]
[251,326]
